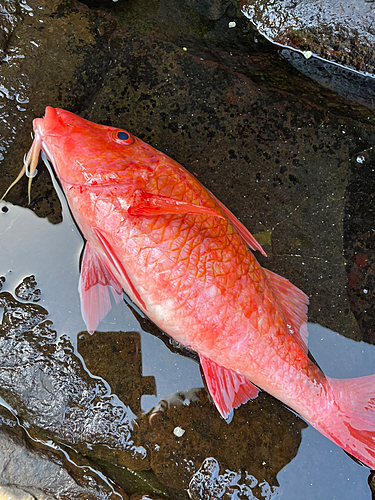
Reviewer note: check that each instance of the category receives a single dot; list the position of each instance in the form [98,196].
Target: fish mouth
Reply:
[30,160]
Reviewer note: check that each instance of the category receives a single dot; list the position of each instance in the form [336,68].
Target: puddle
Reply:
[33,246]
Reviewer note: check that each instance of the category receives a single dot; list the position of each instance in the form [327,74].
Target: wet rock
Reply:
[371,482]
[211,9]
[208,484]
[138,483]
[145,497]
[9,17]
[33,471]
[356,87]
[36,34]
[339,31]
[186,428]
[52,393]
[27,289]
[359,241]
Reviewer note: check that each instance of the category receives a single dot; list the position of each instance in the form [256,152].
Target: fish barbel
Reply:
[154,231]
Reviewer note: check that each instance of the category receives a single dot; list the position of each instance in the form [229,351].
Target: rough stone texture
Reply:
[27,290]
[208,483]
[338,30]
[54,395]
[32,471]
[36,35]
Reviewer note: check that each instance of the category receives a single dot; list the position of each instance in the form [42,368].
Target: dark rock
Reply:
[359,241]
[35,36]
[339,31]
[209,484]
[262,438]
[27,289]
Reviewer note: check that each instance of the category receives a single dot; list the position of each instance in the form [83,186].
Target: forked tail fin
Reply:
[351,423]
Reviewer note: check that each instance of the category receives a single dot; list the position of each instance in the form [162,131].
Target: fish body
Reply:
[154,231]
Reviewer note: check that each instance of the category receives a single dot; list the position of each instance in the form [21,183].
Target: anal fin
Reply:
[227,388]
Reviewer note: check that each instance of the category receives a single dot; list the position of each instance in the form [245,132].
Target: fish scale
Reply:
[154,231]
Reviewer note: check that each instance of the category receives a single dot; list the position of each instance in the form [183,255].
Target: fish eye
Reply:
[122,137]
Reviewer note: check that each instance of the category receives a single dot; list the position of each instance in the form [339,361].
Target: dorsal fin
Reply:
[294,305]
[241,229]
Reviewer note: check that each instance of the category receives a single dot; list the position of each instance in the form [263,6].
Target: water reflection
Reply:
[117,358]
[208,483]
[45,383]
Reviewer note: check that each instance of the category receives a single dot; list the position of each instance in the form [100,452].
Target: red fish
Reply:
[154,231]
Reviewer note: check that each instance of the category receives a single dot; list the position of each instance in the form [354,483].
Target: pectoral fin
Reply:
[148,204]
[227,388]
[97,276]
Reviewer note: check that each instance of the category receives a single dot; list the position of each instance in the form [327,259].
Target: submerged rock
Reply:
[124,372]
[44,381]
[186,428]
[209,484]
[359,241]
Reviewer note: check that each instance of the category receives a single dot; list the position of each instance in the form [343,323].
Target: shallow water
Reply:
[33,246]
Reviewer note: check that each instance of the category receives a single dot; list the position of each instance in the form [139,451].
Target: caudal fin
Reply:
[351,422]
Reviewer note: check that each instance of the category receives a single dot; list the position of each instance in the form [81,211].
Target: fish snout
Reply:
[49,124]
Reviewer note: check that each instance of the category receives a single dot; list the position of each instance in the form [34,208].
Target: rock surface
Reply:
[30,470]
[341,31]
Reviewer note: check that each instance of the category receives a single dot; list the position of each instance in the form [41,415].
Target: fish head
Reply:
[86,153]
